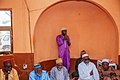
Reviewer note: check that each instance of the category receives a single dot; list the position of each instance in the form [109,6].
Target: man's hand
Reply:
[112,74]
[6,76]
[91,73]
[65,37]
[107,73]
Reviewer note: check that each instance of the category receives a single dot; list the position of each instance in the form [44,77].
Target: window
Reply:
[5,31]
[6,38]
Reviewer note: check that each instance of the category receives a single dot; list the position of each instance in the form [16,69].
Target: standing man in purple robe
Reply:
[63,42]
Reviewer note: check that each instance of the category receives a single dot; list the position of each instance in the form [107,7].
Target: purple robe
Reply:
[63,50]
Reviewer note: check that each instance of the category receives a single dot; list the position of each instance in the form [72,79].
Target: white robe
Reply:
[85,69]
[55,74]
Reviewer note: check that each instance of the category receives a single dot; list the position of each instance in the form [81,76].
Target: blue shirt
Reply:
[34,76]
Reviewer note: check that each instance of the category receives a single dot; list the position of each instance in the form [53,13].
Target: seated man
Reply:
[79,60]
[106,72]
[38,73]
[87,70]
[8,73]
[59,72]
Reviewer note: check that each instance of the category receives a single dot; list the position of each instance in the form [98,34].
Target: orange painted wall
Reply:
[89,28]
[37,8]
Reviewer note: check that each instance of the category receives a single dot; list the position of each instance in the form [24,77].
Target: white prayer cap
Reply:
[105,60]
[37,66]
[84,55]
[59,60]
[63,28]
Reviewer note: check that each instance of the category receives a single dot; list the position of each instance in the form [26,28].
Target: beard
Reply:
[59,69]
[63,34]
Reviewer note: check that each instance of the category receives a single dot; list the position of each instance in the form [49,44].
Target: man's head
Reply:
[38,69]
[59,64]
[7,66]
[86,58]
[105,64]
[82,52]
[75,75]
[63,31]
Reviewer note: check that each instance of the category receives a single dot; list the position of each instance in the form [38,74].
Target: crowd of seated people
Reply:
[85,69]
[105,71]
[58,72]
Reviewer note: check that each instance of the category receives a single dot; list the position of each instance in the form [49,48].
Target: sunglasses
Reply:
[86,59]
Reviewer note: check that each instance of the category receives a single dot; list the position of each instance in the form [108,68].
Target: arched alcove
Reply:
[89,25]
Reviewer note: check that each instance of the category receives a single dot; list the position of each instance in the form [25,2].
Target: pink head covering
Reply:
[7,61]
